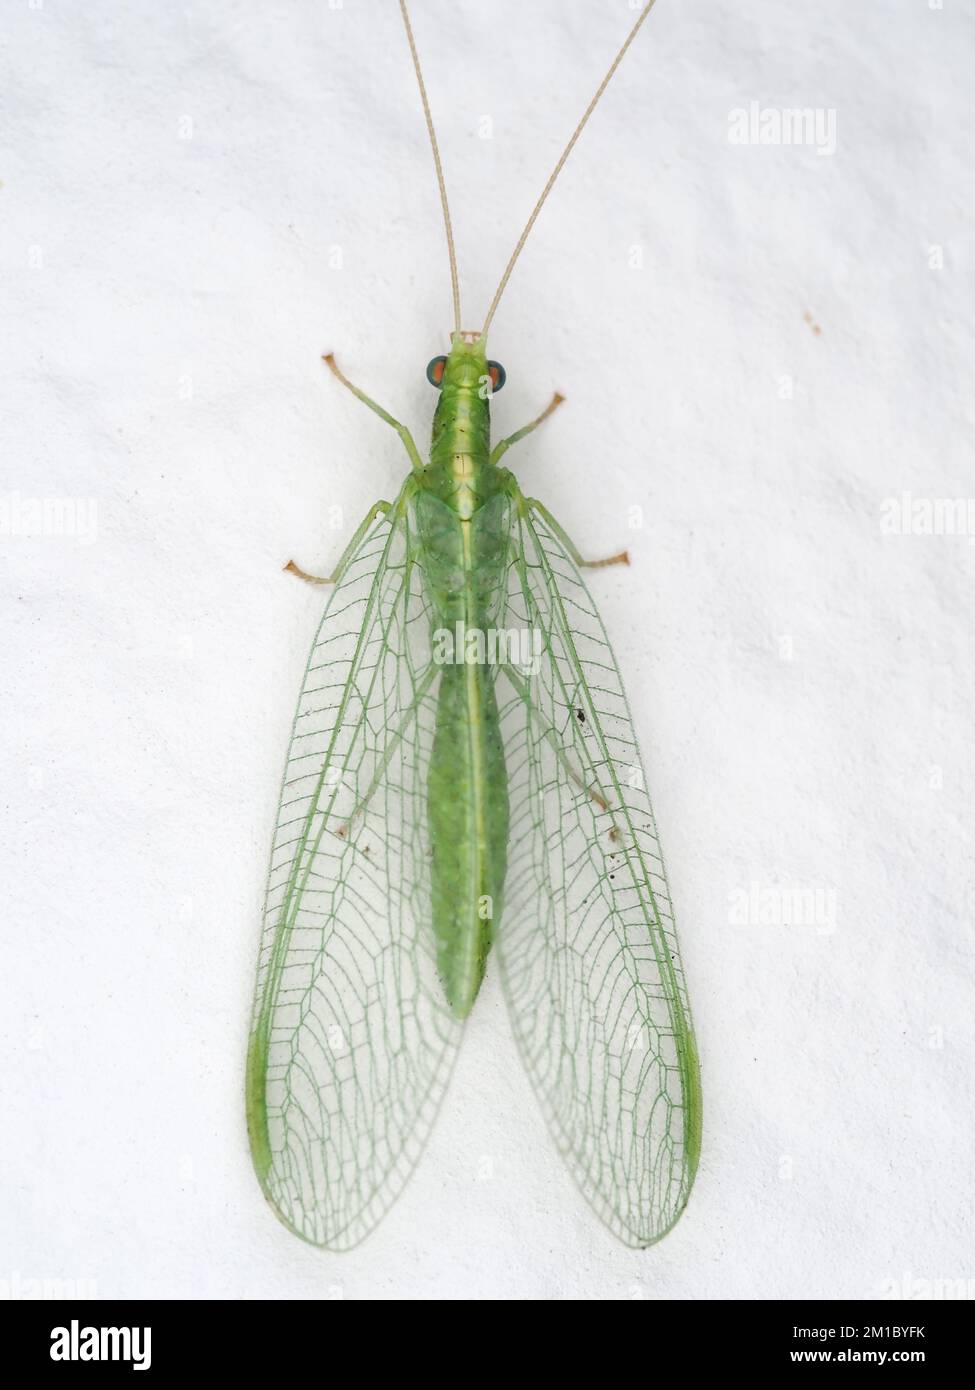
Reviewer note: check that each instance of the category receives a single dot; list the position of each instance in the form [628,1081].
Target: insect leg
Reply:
[391,747]
[521,688]
[504,444]
[623,558]
[377,510]
[401,430]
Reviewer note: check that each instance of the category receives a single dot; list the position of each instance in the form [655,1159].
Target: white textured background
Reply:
[179,186]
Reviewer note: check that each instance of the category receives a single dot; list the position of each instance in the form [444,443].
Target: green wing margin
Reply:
[587,947]
[352,1042]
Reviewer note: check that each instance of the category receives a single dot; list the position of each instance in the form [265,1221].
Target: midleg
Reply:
[623,558]
[377,510]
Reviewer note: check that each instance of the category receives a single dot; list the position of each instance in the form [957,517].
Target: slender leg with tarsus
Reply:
[394,742]
[377,510]
[623,558]
[504,444]
[401,430]
[521,689]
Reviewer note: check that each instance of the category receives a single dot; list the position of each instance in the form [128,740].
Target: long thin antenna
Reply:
[558,168]
[454,281]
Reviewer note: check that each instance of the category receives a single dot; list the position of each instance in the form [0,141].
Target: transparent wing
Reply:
[352,1041]
[587,947]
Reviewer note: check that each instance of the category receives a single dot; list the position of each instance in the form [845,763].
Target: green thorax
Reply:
[460,446]
[460,506]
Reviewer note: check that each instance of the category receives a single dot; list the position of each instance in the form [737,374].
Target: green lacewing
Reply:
[463,786]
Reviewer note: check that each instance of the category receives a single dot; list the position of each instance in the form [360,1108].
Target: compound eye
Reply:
[498,376]
[435,370]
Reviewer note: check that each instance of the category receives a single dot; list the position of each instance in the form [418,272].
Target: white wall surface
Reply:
[759,344]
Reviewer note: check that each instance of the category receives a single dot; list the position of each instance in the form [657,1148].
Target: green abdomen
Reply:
[468,817]
[467,797]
